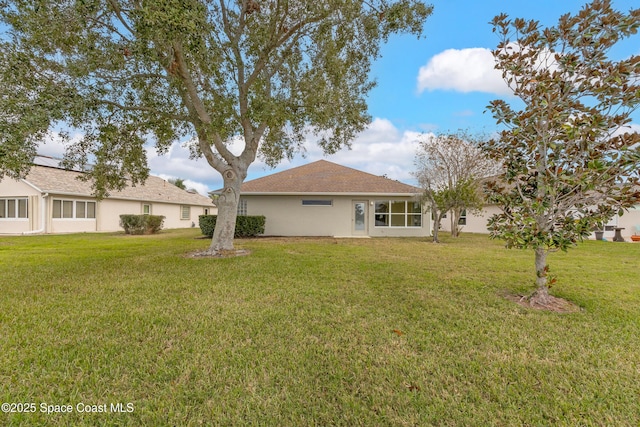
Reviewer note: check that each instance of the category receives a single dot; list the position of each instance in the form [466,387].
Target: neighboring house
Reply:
[326,199]
[53,200]
[472,222]
[476,222]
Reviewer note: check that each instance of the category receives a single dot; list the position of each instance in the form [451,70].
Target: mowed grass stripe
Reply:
[315,332]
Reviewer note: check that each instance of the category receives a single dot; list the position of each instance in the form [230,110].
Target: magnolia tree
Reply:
[571,161]
[127,74]
[449,168]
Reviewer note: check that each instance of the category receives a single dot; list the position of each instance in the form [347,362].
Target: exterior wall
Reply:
[40,212]
[630,221]
[476,221]
[286,216]
[10,188]
[110,210]
[69,225]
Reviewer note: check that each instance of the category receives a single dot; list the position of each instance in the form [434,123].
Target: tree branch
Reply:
[118,11]
[145,109]
[192,91]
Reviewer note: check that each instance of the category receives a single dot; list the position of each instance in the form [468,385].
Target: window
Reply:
[91,209]
[13,208]
[64,209]
[433,215]
[317,203]
[398,213]
[242,207]
[463,217]
[67,209]
[185,212]
[146,209]
[22,208]
[382,214]
[85,210]
[81,209]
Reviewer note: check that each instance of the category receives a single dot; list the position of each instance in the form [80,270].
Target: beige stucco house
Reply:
[326,199]
[54,200]
[476,222]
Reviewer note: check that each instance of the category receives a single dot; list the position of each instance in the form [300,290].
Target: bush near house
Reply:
[141,224]
[246,226]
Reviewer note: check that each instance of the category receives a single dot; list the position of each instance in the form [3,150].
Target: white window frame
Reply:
[390,215]
[183,209]
[242,207]
[74,209]
[144,206]
[463,217]
[4,213]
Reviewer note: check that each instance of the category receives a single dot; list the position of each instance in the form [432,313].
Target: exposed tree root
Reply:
[548,303]
[218,254]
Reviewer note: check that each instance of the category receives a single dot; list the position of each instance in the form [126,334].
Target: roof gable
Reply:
[155,189]
[326,177]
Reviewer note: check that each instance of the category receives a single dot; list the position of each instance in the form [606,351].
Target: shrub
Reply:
[246,226]
[250,226]
[141,224]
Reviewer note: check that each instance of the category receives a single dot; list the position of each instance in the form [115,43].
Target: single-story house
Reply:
[326,199]
[476,222]
[53,200]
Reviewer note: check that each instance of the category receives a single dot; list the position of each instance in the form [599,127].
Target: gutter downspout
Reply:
[42,218]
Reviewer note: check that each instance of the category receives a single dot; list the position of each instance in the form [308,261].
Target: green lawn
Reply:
[314,332]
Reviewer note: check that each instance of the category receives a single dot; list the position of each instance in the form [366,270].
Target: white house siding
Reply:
[630,220]
[40,212]
[46,184]
[476,221]
[108,213]
[66,225]
[286,216]
[12,189]
[111,209]
[14,225]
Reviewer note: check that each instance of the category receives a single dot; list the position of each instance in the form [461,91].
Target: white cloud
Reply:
[462,70]
[54,144]
[381,149]
[631,127]
[189,184]
[176,163]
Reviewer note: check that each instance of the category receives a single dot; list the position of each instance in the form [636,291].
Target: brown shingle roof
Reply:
[155,189]
[323,177]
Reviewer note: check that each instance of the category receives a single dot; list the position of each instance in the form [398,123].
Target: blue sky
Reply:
[441,82]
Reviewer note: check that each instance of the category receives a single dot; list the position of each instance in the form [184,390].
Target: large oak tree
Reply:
[127,73]
[571,160]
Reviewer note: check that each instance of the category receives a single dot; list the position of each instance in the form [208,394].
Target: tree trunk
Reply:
[227,213]
[455,218]
[436,226]
[541,295]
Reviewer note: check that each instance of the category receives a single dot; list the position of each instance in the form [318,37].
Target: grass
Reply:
[396,332]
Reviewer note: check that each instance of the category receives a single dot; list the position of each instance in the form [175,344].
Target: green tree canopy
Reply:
[127,73]
[178,182]
[570,161]
[449,167]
